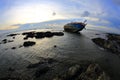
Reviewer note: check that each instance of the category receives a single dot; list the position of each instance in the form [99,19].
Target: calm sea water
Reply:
[74,47]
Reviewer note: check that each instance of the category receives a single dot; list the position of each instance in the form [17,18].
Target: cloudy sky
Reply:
[105,12]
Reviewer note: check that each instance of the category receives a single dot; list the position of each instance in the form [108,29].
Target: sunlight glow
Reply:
[34,13]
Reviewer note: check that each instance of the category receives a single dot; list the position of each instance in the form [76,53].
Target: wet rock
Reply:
[4,41]
[58,33]
[13,37]
[99,41]
[13,48]
[113,36]
[42,70]
[55,46]
[84,72]
[39,35]
[28,43]
[93,72]
[112,43]
[48,34]
[10,40]
[12,34]
[29,35]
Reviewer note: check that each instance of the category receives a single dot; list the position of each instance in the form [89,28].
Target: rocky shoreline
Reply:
[111,43]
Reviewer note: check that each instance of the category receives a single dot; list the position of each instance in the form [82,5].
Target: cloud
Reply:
[9,27]
[85,14]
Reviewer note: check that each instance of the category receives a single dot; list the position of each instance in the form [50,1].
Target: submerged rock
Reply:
[28,43]
[46,61]
[41,70]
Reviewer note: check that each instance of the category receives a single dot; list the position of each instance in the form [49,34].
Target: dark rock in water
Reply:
[48,34]
[4,41]
[25,38]
[99,41]
[42,70]
[113,36]
[13,48]
[12,34]
[28,43]
[58,33]
[13,37]
[39,35]
[10,40]
[112,43]
[55,46]
[29,35]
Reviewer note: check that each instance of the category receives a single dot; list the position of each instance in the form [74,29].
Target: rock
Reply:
[10,40]
[39,35]
[103,76]
[83,72]
[48,34]
[111,44]
[12,34]
[28,43]
[13,48]
[41,70]
[58,33]
[74,70]
[29,35]
[13,37]
[99,41]
[4,41]
[55,46]
[113,36]
[93,72]
[25,38]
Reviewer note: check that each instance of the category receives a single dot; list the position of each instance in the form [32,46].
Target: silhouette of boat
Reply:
[75,26]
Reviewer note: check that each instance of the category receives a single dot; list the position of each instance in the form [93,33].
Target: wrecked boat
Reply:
[75,26]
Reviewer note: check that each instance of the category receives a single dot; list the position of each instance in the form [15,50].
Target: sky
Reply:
[98,12]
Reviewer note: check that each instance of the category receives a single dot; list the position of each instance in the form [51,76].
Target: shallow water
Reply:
[74,47]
